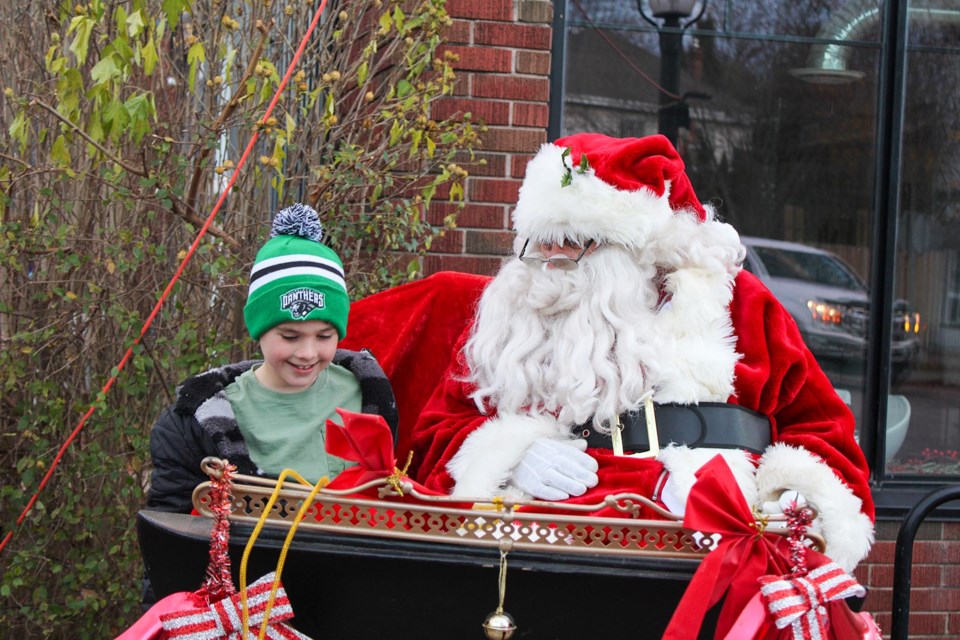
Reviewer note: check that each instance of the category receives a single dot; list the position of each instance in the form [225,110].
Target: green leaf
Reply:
[139,106]
[195,56]
[96,133]
[150,57]
[53,62]
[403,88]
[291,125]
[196,53]
[18,130]
[396,132]
[60,154]
[120,16]
[173,9]
[105,70]
[415,136]
[135,24]
[140,109]
[81,42]
[398,17]
[386,21]
[362,72]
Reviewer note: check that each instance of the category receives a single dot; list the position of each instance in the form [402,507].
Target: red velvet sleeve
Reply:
[778,376]
[412,330]
[447,419]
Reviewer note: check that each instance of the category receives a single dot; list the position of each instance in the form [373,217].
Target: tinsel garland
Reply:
[219,581]
[799,520]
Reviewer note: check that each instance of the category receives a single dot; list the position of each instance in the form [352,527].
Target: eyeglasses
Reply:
[564,263]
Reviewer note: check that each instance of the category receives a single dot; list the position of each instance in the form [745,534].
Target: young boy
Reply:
[266,416]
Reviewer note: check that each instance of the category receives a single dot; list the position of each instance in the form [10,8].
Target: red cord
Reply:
[176,276]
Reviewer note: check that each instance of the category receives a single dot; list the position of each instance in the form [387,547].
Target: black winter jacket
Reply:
[201,423]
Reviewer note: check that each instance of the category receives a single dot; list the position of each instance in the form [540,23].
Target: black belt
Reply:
[717,425]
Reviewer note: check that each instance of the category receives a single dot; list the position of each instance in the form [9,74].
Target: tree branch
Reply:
[138,171]
[231,106]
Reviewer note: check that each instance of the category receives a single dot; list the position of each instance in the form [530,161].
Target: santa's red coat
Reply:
[416,331]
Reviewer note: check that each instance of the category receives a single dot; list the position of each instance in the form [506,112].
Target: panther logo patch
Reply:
[300,302]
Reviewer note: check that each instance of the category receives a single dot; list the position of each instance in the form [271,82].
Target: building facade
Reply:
[826,127]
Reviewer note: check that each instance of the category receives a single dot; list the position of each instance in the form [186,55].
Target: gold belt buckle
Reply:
[616,435]
[653,438]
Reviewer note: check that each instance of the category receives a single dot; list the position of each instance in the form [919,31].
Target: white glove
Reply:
[555,470]
[787,498]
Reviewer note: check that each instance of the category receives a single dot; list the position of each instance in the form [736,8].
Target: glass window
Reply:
[775,111]
[927,268]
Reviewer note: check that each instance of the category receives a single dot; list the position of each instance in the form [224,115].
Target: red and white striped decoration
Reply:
[223,619]
[799,600]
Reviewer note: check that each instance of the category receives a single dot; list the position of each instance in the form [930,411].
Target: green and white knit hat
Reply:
[295,277]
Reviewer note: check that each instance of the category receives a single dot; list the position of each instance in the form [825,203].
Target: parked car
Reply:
[829,302]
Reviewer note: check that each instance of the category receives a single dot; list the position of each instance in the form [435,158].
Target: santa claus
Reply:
[624,347]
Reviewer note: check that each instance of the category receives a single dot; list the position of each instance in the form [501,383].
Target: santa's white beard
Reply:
[568,343]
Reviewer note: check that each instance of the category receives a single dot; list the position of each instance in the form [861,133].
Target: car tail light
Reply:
[911,322]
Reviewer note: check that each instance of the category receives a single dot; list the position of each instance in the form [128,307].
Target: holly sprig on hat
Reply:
[298,220]
[567,177]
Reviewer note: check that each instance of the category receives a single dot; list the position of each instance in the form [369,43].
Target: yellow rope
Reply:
[503,579]
[308,501]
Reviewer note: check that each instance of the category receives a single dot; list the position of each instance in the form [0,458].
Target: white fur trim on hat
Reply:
[586,209]
[488,456]
[847,531]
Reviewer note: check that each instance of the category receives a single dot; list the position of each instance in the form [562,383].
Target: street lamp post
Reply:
[671,13]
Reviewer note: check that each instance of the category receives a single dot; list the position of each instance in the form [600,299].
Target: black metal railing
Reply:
[903,556]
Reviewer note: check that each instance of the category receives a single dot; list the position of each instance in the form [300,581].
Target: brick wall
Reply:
[935,581]
[503,81]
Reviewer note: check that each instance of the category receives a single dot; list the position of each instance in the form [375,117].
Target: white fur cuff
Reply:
[488,456]
[683,463]
[847,530]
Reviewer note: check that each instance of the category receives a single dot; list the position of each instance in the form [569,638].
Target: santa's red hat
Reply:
[611,190]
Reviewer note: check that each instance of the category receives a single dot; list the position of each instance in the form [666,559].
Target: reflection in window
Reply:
[927,263]
[952,304]
[808,267]
[782,156]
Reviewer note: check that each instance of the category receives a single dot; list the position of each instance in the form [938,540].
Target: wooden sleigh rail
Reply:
[403,512]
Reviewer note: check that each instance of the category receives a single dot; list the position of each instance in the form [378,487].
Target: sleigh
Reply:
[387,559]
[364,568]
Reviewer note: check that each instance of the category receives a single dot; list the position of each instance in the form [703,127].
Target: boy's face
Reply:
[294,354]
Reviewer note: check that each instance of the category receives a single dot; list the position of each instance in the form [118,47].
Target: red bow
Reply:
[365,439]
[800,600]
[224,618]
[742,555]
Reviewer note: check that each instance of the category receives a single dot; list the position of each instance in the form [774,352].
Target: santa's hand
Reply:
[555,470]
[787,498]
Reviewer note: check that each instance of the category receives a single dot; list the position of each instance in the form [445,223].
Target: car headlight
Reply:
[838,316]
[825,312]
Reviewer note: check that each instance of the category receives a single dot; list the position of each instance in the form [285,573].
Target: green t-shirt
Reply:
[288,430]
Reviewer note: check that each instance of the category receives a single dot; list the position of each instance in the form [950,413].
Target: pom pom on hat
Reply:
[624,189]
[297,220]
[295,277]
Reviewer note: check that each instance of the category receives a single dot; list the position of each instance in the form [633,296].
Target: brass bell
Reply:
[499,625]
